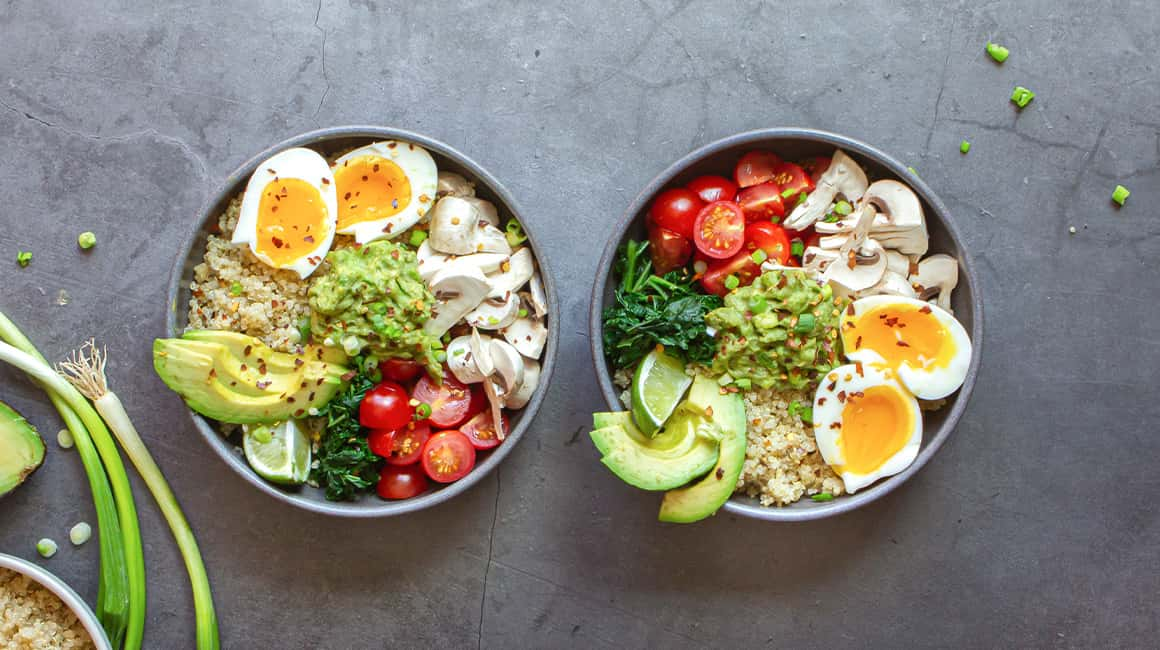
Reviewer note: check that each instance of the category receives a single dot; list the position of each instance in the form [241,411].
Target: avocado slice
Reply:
[683,450]
[705,497]
[273,374]
[254,351]
[21,449]
[192,374]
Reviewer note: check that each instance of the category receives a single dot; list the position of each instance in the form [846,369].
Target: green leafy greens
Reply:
[653,310]
[346,465]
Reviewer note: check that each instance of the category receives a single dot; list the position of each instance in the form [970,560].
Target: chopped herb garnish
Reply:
[86,240]
[744,383]
[997,52]
[964,146]
[732,282]
[523,313]
[788,192]
[418,237]
[797,248]
[1022,96]
[422,411]
[912,170]
[758,304]
[802,198]
[822,496]
[346,465]
[1120,194]
[843,208]
[514,233]
[805,323]
[236,289]
[23,258]
[759,256]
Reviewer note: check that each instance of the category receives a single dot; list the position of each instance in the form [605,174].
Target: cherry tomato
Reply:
[400,370]
[755,167]
[816,166]
[713,188]
[676,209]
[480,430]
[448,456]
[478,403]
[740,265]
[720,229]
[768,237]
[401,482]
[449,402]
[761,202]
[792,180]
[380,441]
[386,406]
[668,249]
[407,444]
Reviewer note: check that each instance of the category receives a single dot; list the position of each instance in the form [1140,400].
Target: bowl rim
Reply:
[67,595]
[846,503]
[366,508]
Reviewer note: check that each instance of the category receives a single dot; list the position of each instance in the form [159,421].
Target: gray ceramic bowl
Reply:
[791,143]
[328,140]
[69,597]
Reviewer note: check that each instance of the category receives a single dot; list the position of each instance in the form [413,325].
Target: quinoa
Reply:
[33,617]
[782,462]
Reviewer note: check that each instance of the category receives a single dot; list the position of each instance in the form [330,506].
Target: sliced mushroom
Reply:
[892,283]
[462,361]
[458,290]
[514,275]
[908,242]
[431,262]
[858,268]
[897,263]
[496,402]
[522,395]
[843,177]
[452,184]
[816,259]
[458,228]
[937,277]
[481,351]
[539,298]
[528,335]
[495,312]
[509,366]
[489,239]
[486,210]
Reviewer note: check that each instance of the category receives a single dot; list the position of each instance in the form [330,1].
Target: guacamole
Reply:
[372,301]
[781,331]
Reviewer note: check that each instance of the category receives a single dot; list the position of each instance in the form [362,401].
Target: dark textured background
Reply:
[1035,525]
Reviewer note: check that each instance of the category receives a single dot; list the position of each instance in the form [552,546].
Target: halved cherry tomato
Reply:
[768,237]
[720,229]
[449,402]
[761,202]
[713,188]
[380,441]
[755,167]
[481,431]
[816,166]
[386,406]
[478,403]
[401,482]
[407,444]
[448,456]
[668,249]
[676,209]
[792,180]
[400,370]
[740,265]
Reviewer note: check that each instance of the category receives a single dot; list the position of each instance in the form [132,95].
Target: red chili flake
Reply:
[310,397]
[309,239]
[835,425]
[903,344]
[720,473]
[345,377]
[298,363]
[263,385]
[821,401]
[262,369]
[273,208]
[857,393]
[271,170]
[858,368]
[850,309]
[247,350]
[392,145]
[302,385]
[858,343]
[831,385]
[364,178]
[212,373]
[925,310]
[782,281]
[244,368]
[277,242]
[375,167]
[290,400]
[346,197]
[326,181]
[842,396]
[299,413]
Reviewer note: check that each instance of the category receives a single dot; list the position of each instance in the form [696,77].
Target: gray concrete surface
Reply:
[1036,526]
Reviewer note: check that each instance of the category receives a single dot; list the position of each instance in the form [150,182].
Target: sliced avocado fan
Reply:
[21,449]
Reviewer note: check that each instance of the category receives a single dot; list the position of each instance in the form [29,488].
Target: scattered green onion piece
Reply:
[418,237]
[46,547]
[64,438]
[236,289]
[422,411]
[797,248]
[912,170]
[86,240]
[806,413]
[1022,96]
[514,233]
[997,52]
[23,258]
[262,434]
[788,193]
[1071,230]
[758,304]
[304,330]
[759,256]
[80,533]
[805,323]
[964,146]
[732,282]
[843,208]
[440,356]
[802,198]
[823,496]
[743,383]
[523,313]
[1120,194]
[832,218]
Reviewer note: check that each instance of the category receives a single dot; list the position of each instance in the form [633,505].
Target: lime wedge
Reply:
[278,453]
[657,387]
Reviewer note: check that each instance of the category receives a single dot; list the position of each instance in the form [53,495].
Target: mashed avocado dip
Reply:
[781,331]
[372,301]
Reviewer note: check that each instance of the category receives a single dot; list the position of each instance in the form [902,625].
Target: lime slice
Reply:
[278,453]
[657,387]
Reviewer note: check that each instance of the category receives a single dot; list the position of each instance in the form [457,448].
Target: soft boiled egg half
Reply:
[924,345]
[384,188]
[867,425]
[289,211]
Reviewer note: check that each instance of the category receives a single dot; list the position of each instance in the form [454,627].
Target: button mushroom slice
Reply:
[452,184]
[936,278]
[431,262]
[915,241]
[481,351]
[539,298]
[454,222]
[495,312]
[843,177]
[486,210]
[514,275]
[858,268]
[897,263]
[816,259]
[528,386]
[893,284]
[509,366]
[462,361]
[458,290]
[490,239]
[528,335]
[496,402]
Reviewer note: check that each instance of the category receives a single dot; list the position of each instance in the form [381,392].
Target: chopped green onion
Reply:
[797,248]
[523,313]
[236,289]
[46,547]
[964,146]
[788,192]
[440,356]
[304,330]
[832,218]
[912,170]
[843,208]
[823,496]
[23,258]
[86,240]
[418,237]
[744,383]
[1120,194]
[997,52]
[1022,96]
[806,413]
[759,256]
[514,233]
[422,411]
[758,304]
[1071,230]
[64,438]
[805,323]
[732,282]
[802,198]
[80,533]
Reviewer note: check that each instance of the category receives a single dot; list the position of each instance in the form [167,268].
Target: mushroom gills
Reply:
[843,177]
[457,290]
[495,312]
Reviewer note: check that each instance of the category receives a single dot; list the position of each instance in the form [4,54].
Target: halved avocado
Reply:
[192,375]
[254,351]
[683,450]
[259,376]
[21,449]
[705,497]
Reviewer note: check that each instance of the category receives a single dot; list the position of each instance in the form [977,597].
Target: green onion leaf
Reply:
[805,323]
[912,170]
[758,304]
[802,198]
[759,256]
[732,282]
[514,233]
[236,289]
[423,411]
[843,208]
[23,258]
[86,240]
[997,52]
[743,383]
[823,496]
[788,192]
[46,547]
[797,248]
[418,237]
[1120,194]
[964,146]
[1022,96]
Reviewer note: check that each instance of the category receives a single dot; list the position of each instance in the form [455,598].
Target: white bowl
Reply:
[69,597]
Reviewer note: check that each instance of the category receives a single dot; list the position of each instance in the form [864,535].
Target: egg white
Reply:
[306,165]
[419,167]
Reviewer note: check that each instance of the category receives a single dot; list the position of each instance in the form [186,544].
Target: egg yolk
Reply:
[875,425]
[291,218]
[900,334]
[370,188]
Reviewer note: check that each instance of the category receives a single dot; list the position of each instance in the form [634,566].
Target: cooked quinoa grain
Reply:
[32,617]
[782,462]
